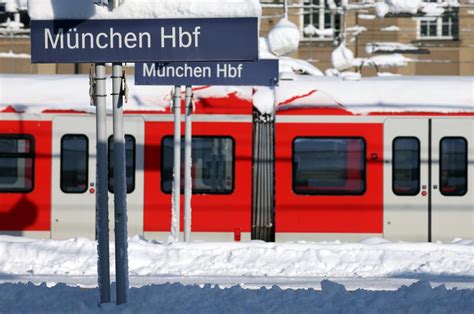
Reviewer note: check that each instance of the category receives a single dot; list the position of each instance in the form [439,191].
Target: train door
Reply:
[452,169]
[428,166]
[73,176]
[328,179]
[406,168]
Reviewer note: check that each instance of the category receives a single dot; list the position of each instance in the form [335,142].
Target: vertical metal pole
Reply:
[102,198]
[120,190]
[175,217]
[188,164]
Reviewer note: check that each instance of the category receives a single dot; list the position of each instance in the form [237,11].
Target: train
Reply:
[311,160]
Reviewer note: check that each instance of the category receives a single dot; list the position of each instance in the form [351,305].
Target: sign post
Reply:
[102,188]
[188,186]
[139,40]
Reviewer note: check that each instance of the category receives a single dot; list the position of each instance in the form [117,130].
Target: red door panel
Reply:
[30,211]
[211,213]
[329,213]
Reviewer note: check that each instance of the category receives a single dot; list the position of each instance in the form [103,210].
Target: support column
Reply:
[188,164]
[101,184]
[175,215]
[120,189]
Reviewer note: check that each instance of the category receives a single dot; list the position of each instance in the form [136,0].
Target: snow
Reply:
[13,55]
[391,28]
[342,57]
[373,257]
[310,30]
[383,61]
[421,94]
[14,5]
[367,16]
[380,94]
[389,47]
[143,9]
[272,266]
[176,298]
[381,9]
[283,38]
[403,6]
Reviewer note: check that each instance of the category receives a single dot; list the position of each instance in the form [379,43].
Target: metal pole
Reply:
[120,190]
[175,217]
[102,198]
[113,4]
[188,164]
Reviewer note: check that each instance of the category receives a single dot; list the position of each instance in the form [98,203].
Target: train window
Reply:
[129,163]
[329,166]
[453,166]
[74,163]
[212,165]
[16,163]
[406,166]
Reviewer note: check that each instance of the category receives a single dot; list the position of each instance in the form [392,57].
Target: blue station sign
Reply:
[144,40]
[258,73]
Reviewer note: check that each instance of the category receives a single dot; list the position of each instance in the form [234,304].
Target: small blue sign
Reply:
[258,73]
[144,40]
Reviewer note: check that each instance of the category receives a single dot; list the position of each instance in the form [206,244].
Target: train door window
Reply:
[212,165]
[329,166]
[453,166]
[16,163]
[129,163]
[74,163]
[406,166]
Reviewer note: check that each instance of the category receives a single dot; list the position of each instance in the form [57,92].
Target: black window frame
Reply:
[193,192]
[61,164]
[134,162]
[466,165]
[329,193]
[419,166]
[31,155]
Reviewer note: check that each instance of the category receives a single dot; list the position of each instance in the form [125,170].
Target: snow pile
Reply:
[413,6]
[13,6]
[342,57]
[391,28]
[176,298]
[401,6]
[383,61]
[381,9]
[13,55]
[310,30]
[384,94]
[27,93]
[372,258]
[283,38]
[389,47]
[143,9]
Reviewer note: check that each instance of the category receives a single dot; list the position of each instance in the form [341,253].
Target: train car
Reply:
[314,159]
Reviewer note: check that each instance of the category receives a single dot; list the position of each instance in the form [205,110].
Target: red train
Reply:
[311,171]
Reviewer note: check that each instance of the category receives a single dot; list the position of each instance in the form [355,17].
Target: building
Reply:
[400,43]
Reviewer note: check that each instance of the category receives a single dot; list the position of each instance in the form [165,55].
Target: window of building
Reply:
[16,163]
[406,166]
[453,166]
[445,26]
[212,165]
[318,13]
[328,166]
[74,163]
[129,163]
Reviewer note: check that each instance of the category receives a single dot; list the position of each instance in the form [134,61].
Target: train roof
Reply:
[441,94]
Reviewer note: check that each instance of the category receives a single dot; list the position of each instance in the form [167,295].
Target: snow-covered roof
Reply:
[142,9]
[36,93]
